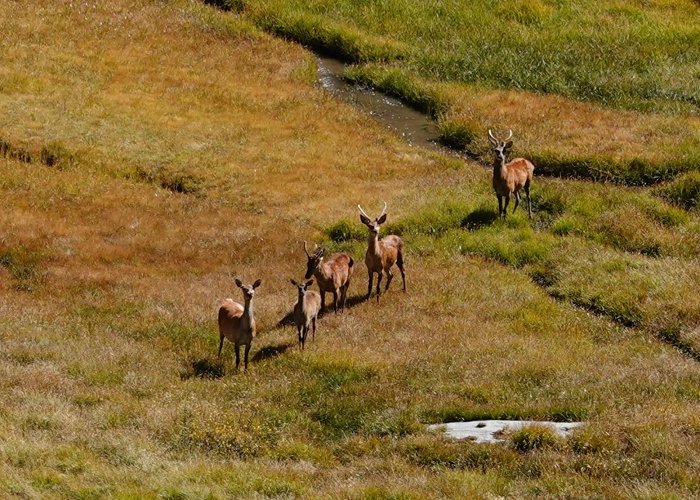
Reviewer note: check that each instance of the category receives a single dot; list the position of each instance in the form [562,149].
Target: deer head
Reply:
[373,225]
[313,260]
[248,290]
[301,287]
[501,149]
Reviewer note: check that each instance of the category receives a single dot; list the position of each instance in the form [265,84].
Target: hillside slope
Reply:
[153,151]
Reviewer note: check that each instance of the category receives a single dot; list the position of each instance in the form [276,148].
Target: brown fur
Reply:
[306,311]
[509,178]
[332,275]
[237,322]
[382,254]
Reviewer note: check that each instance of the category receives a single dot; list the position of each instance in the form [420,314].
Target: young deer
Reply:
[509,178]
[306,310]
[332,274]
[236,322]
[381,254]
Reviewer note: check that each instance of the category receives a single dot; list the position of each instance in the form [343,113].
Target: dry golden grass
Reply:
[110,283]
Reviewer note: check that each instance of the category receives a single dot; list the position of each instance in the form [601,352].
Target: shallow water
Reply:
[415,127]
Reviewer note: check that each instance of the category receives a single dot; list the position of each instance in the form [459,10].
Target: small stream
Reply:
[415,127]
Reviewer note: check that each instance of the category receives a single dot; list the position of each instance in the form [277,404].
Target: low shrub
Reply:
[56,155]
[23,265]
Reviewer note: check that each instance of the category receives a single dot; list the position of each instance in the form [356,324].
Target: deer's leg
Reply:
[344,295]
[399,263]
[247,350]
[237,348]
[527,195]
[505,206]
[517,200]
[300,337]
[389,277]
[221,345]
[323,300]
[369,285]
[335,300]
[379,282]
[313,323]
[500,205]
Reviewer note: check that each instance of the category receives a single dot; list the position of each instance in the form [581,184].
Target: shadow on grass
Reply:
[350,302]
[287,320]
[479,218]
[270,351]
[203,368]
[672,336]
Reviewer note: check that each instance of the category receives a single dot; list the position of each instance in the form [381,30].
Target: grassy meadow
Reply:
[602,90]
[152,151]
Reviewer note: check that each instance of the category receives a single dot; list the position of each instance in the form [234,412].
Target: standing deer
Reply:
[306,310]
[236,322]
[381,254]
[509,178]
[332,274]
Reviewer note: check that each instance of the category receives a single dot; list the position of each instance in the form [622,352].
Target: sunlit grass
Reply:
[627,114]
[204,151]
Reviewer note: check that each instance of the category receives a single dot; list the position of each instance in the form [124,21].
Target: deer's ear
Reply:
[257,283]
[238,282]
[509,144]
[294,282]
[365,220]
[382,219]
[309,283]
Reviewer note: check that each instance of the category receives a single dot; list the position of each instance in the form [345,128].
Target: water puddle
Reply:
[491,431]
[415,127]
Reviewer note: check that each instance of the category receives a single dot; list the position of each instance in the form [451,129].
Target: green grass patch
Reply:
[173,180]
[683,191]
[23,265]
[631,172]
[530,45]
[533,437]
[315,31]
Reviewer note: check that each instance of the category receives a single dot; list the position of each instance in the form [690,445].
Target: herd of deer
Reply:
[237,322]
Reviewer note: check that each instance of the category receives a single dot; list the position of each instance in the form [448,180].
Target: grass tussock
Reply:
[684,191]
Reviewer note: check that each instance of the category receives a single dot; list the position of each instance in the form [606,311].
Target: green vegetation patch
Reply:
[173,180]
[23,265]
[529,45]
[533,437]
[317,32]
[683,191]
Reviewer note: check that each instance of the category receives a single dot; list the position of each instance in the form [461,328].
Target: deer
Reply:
[306,310]
[237,323]
[509,178]
[381,254]
[332,274]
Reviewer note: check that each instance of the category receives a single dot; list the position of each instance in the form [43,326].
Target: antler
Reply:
[363,212]
[306,249]
[383,211]
[510,134]
[492,138]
